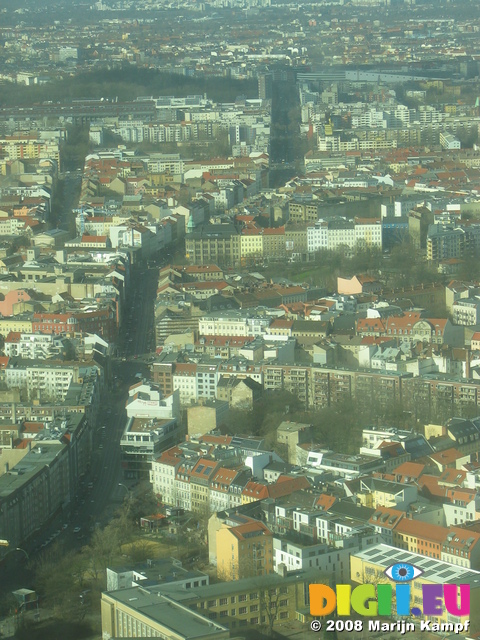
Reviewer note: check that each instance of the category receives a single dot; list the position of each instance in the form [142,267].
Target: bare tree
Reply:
[269,598]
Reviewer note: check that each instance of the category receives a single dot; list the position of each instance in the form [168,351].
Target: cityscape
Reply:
[239,319]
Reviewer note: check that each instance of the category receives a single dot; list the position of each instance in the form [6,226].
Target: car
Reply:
[77,529]
[64,525]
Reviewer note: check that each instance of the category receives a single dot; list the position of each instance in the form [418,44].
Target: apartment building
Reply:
[163,474]
[463,506]
[334,233]
[44,477]
[49,380]
[466,312]
[142,441]
[218,243]
[274,247]
[234,323]
[32,346]
[200,478]
[244,551]
[306,211]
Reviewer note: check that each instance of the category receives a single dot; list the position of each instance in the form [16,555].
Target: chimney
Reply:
[7,467]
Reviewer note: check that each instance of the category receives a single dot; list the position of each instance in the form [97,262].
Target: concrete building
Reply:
[290,434]
[143,440]
[184,614]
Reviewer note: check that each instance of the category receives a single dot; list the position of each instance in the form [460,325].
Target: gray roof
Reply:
[433,570]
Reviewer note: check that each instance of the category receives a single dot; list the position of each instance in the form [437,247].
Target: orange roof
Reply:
[32,427]
[224,477]
[461,495]
[431,532]
[404,322]
[370,324]
[242,531]
[95,239]
[203,469]
[446,457]
[185,369]
[13,336]
[411,470]
[280,323]
[325,501]
[386,517]
[210,439]
[454,477]
[431,488]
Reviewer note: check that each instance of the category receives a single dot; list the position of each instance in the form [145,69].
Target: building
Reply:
[244,550]
[176,612]
[143,439]
[466,311]
[138,612]
[160,570]
[43,476]
[449,141]
[265,83]
[217,243]
[369,565]
[290,434]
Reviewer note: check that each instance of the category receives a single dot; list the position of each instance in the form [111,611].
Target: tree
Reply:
[269,598]
[58,580]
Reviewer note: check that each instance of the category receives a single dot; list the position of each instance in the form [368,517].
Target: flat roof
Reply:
[166,612]
[433,570]
[146,425]
[42,454]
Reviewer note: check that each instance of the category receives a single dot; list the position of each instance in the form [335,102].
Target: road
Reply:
[137,337]
[100,493]
[66,199]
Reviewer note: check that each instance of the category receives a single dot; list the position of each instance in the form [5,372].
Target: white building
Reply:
[146,401]
[33,345]
[233,323]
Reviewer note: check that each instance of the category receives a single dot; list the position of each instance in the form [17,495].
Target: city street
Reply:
[100,493]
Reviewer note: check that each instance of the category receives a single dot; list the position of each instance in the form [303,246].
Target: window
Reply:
[223,601]
[253,607]
[223,614]
[283,615]
[242,610]
[254,595]
[212,603]
[242,597]
[253,620]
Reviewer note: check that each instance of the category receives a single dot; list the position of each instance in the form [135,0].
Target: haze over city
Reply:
[239,319]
